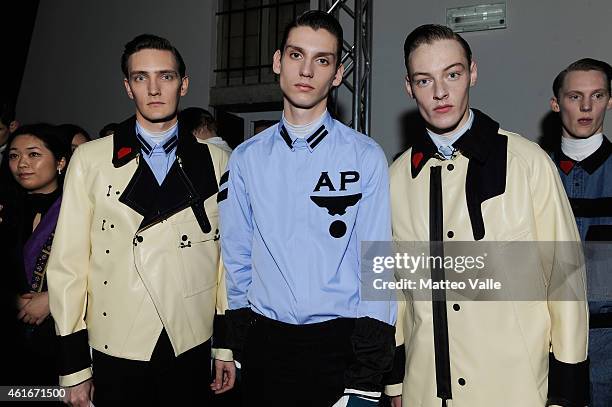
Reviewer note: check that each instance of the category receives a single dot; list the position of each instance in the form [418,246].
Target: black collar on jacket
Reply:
[590,164]
[190,181]
[486,150]
[476,143]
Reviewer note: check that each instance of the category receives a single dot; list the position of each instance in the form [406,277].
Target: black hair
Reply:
[150,41]
[50,136]
[7,113]
[192,118]
[317,19]
[427,34]
[70,130]
[107,129]
[584,64]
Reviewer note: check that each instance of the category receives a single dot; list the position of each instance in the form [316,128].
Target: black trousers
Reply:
[296,365]
[165,380]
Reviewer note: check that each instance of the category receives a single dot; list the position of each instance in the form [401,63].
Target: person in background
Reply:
[37,158]
[201,123]
[75,135]
[107,130]
[581,96]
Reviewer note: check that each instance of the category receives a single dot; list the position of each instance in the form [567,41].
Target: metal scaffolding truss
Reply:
[356,57]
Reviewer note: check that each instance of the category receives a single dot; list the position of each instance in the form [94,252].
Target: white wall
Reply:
[516,65]
[73,70]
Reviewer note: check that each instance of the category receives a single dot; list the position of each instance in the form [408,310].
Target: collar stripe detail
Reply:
[146,147]
[170,144]
[318,140]
[286,137]
[316,133]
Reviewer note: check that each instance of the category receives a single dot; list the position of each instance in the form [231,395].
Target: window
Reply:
[248,34]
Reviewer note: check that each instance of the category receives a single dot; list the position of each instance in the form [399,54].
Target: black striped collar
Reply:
[168,145]
[313,140]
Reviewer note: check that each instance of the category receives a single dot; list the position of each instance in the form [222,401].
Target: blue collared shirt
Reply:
[293,214]
[159,156]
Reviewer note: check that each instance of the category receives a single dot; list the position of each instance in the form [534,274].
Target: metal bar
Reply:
[259,40]
[347,9]
[368,96]
[358,63]
[229,42]
[333,7]
[244,36]
[248,67]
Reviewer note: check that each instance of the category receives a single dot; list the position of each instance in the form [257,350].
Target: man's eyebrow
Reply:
[456,64]
[172,71]
[604,90]
[319,54]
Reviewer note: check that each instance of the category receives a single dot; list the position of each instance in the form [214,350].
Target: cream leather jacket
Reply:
[130,257]
[499,187]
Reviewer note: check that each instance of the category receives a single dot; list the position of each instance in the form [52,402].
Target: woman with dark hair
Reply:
[37,157]
[74,135]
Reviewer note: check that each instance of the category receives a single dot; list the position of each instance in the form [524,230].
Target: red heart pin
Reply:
[566,166]
[416,159]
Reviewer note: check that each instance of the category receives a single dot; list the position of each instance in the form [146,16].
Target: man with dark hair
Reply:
[582,97]
[135,270]
[296,203]
[466,180]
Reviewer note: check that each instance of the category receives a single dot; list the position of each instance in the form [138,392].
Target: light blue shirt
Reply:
[293,214]
[159,155]
[445,143]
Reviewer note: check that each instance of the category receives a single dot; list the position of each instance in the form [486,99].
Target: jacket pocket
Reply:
[199,254]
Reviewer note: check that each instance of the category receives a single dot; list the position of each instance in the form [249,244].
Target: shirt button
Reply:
[450,167]
[106,282]
[456,307]
[461,381]
[104,313]
[450,234]
[139,238]
[184,237]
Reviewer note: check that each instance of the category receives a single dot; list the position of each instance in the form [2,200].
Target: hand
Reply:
[36,309]
[225,376]
[80,395]
[396,401]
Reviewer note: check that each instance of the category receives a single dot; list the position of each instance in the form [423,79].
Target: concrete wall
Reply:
[516,65]
[73,71]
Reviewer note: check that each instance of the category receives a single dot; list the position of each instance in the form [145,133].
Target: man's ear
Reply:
[473,73]
[554,104]
[276,62]
[184,85]
[339,74]
[609,104]
[408,86]
[13,126]
[128,89]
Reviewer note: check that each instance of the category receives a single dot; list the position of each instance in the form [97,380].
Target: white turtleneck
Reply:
[156,136]
[444,143]
[303,130]
[580,148]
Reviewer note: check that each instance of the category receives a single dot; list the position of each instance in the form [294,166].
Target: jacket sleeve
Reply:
[236,240]
[373,338]
[220,348]
[568,379]
[67,273]
[394,379]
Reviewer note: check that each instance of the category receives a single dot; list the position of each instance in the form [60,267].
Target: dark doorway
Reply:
[231,127]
